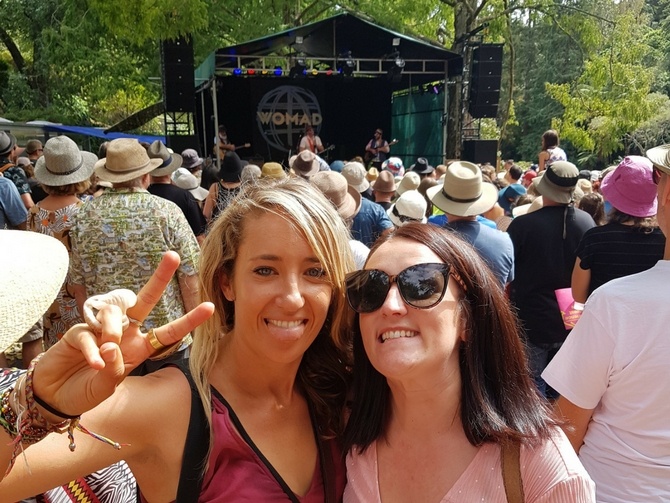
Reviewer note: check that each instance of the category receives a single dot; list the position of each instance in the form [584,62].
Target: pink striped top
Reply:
[551,472]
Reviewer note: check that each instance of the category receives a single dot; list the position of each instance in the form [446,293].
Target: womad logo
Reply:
[284,112]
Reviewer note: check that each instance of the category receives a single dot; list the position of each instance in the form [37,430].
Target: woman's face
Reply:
[405,343]
[279,288]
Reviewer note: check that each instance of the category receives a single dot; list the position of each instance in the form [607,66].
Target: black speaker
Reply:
[178,79]
[485,80]
[480,151]
[179,143]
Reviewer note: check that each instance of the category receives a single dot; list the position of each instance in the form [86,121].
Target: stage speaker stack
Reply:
[178,81]
[480,151]
[179,93]
[485,80]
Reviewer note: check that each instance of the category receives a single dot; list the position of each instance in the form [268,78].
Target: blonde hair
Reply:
[323,373]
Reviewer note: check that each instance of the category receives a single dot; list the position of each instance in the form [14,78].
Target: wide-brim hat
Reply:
[231,168]
[273,170]
[410,207]
[63,163]
[7,142]
[171,161]
[355,173]
[385,182]
[463,193]
[186,180]
[524,209]
[334,186]
[558,181]
[305,164]
[422,167]
[630,188]
[28,286]
[410,181]
[190,159]
[126,159]
[659,156]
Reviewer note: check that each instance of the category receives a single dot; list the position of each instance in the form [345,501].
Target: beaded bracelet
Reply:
[27,426]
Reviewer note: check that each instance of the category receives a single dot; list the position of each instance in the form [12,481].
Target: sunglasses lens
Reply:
[422,285]
[367,290]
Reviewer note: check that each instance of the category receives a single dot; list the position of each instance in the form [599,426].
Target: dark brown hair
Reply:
[499,401]
[550,139]
[594,205]
[643,224]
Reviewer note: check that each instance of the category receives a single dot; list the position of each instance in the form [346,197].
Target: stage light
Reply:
[347,66]
[278,71]
[299,68]
[436,89]
[394,73]
[329,72]
[264,72]
[251,71]
[315,72]
[237,71]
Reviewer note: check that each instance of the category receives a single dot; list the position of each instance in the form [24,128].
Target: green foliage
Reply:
[611,96]
[139,21]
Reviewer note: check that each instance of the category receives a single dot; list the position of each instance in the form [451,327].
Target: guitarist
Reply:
[310,141]
[223,143]
[377,149]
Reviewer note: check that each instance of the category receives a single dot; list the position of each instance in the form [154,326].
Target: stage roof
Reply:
[330,39]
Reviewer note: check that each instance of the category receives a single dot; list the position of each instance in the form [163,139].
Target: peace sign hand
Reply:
[86,366]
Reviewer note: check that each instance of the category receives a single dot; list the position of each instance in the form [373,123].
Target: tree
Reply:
[612,95]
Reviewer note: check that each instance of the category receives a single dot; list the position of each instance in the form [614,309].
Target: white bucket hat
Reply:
[410,181]
[186,180]
[411,206]
[28,286]
[355,173]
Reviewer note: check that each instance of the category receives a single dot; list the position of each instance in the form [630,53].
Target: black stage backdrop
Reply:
[270,113]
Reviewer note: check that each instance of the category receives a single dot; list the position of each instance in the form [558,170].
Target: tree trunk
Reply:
[14,51]
[464,22]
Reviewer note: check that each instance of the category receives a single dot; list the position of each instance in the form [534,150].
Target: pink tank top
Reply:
[238,471]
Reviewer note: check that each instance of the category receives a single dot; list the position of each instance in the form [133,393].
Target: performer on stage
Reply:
[222,142]
[377,149]
[310,141]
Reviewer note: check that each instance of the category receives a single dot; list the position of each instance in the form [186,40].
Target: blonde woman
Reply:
[270,368]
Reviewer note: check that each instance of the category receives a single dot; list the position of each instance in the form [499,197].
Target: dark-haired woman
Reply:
[631,241]
[551,152]
[441,386]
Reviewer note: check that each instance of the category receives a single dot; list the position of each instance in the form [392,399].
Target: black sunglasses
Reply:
[656,175]
[421,286]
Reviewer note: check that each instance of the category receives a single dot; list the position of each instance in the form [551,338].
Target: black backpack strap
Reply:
[196,448]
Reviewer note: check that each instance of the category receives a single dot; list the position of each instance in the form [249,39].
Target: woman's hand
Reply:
[84,368]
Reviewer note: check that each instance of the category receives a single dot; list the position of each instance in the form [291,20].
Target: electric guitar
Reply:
[369,156]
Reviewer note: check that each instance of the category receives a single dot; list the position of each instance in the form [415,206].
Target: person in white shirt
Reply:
[612,374]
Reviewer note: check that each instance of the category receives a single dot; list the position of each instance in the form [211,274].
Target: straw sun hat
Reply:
[63,163]
[126,159]
[28,286]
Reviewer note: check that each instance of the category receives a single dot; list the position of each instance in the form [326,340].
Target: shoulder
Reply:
[553,468]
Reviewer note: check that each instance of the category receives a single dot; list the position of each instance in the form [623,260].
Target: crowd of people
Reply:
[354,331]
